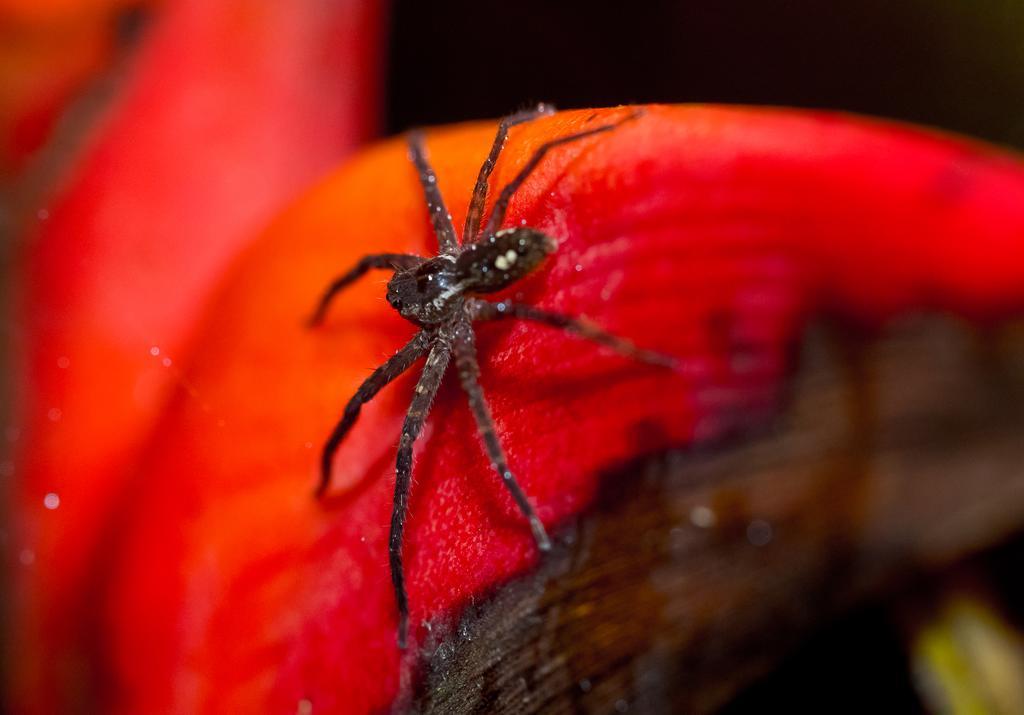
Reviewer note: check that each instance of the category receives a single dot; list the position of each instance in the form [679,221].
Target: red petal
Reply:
[705,232]
[232,107]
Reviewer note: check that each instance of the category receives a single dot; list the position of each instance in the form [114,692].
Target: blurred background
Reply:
[950,64]
[65,66]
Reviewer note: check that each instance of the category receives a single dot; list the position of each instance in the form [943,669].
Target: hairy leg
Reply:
[484,310]
[444,229]
[423,397]
[476,205]
[392,261]
[395,366]
[501,204]
[466,361]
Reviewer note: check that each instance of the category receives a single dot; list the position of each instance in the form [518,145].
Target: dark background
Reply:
[958,65]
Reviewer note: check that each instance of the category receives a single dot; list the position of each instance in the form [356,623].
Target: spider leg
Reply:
[426,389]
[469,375]
[501,204]
[394,261]
[395,366]
[444,229]
[484,310]
[476,204]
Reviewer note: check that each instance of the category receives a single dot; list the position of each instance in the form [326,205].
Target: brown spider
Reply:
[437,294]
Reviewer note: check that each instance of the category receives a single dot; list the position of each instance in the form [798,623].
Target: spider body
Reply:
[438,294]
[430,293]
[503,259]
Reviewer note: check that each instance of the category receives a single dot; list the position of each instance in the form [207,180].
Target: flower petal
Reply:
[709,233]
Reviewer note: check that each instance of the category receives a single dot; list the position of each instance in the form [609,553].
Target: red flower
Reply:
[708,233]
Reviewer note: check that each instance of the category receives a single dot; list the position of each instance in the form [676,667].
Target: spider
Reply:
[438,294]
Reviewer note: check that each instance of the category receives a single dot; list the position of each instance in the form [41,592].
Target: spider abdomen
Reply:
[502,259]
